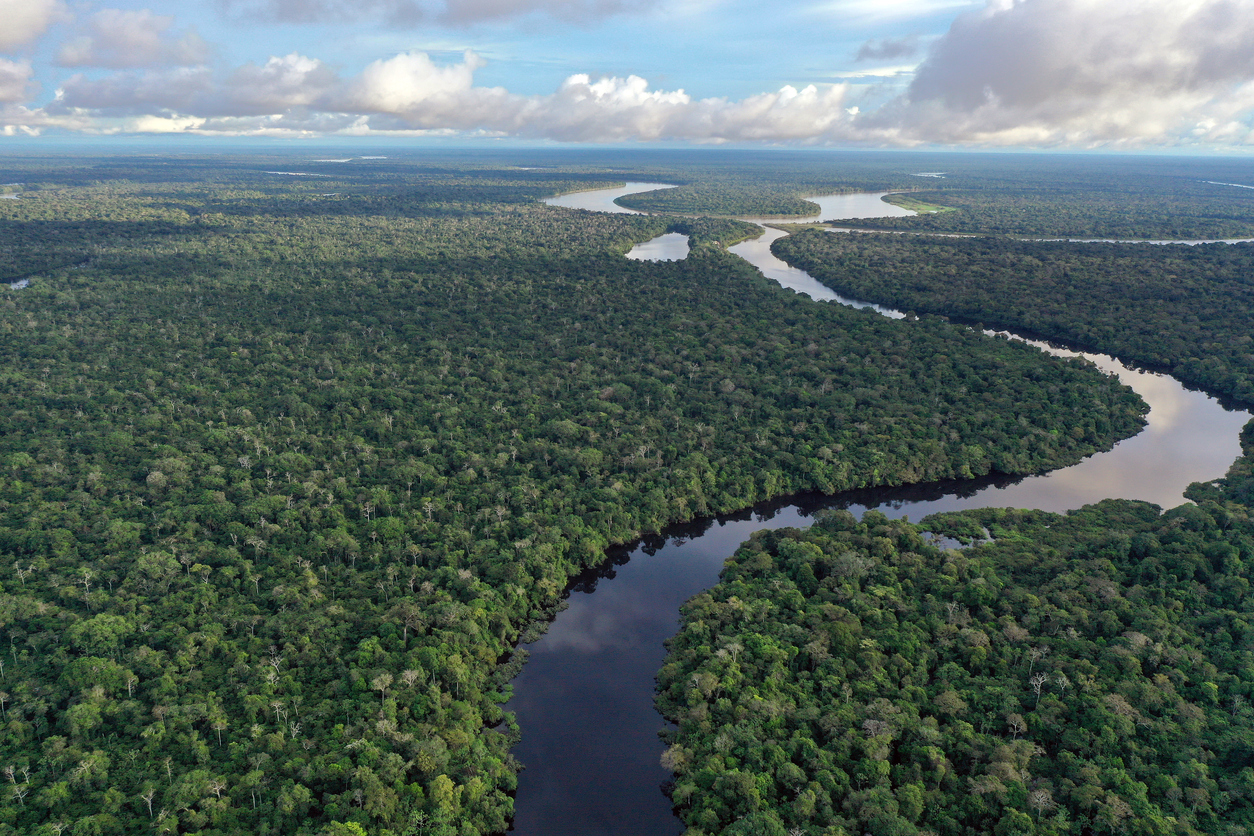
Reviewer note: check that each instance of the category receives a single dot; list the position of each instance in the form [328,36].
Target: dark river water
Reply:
[584,700]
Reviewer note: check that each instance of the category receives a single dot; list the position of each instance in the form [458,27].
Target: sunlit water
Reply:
[672,246]
[585,698]
[602,200]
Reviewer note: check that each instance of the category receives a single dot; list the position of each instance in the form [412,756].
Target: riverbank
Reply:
[584,699]
[920,207]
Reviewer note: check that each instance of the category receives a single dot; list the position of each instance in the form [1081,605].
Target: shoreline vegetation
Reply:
[912,202]
[1060,674]
[1051,676]
[1187,313]
[286,476]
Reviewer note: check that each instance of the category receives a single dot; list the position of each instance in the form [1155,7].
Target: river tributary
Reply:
[584,699]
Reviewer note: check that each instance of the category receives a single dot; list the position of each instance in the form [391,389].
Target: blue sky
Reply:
[1003,73]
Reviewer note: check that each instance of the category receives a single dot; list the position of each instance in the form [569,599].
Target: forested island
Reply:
[295,453]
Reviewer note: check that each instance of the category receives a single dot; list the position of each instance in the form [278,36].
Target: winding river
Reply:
[584,699]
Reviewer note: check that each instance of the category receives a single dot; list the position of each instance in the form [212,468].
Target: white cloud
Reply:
[26,20]
[292,81]
[625,109]
[1084,71]
[15,79]
[609,109]
[896,72]
[406,83]
[410,92]
[118,38]
[418,94]
[149,124]
[1035,72]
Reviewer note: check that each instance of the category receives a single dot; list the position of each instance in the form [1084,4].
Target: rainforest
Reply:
[297,456]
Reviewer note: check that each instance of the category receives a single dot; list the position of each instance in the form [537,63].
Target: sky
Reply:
[1040,74]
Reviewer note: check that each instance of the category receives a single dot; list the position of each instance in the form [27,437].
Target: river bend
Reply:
[584,699]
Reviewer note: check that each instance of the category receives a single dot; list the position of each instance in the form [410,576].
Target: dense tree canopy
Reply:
[289,463]
[1094,197]
[1083,673]
[1068,195]
[1186,309]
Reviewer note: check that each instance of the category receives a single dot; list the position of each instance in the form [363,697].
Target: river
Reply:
[584,699]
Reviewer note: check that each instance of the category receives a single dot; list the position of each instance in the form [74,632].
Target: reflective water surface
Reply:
[585,698]
[602,200]
[669,247]
[758,253]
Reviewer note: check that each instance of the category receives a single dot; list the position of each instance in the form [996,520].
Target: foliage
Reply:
[1078,674]
[1014,194]
[1085,197]
[289,463]
[1186,309]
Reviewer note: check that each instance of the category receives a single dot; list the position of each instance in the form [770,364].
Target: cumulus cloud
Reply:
[615,109]
[453,12]
[121,39]
[1034,72]
[134,93]
[1084,71]
[279,85]
[25,20]
[412,93]
[15,79]
[417,94]
[412,83]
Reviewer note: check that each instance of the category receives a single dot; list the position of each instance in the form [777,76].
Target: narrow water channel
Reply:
[584,700]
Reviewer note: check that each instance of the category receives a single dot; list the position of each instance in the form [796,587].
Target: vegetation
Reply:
[289,463]
[1077,674]
[1064,674]
[742,198]
[1094,197]
[915,204]
[1012,194]
[767,186]
[1186,309]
